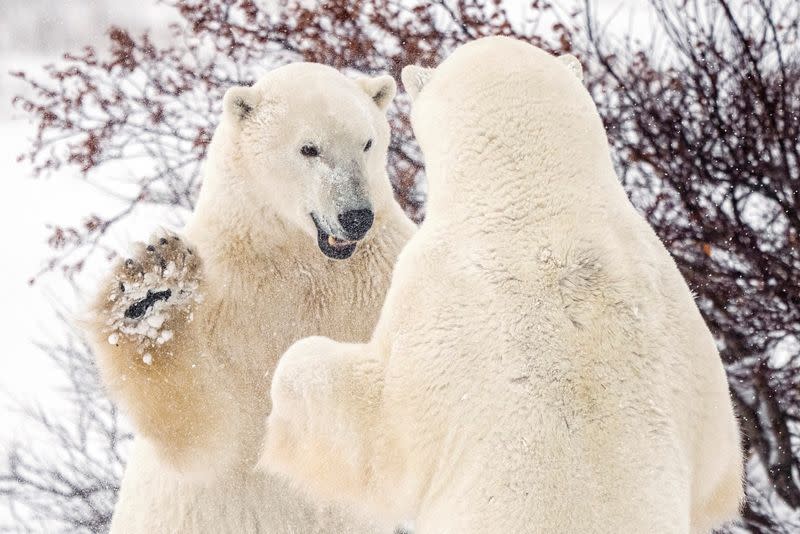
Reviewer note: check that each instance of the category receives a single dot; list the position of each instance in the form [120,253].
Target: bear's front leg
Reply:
[150,352]
[322,427]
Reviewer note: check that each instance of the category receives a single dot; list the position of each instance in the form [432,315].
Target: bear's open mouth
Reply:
[332,246]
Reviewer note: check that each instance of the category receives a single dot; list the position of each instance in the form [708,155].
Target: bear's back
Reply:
[555,347]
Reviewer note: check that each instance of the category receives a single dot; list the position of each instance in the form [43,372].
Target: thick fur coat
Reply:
[539,365]
[188,330]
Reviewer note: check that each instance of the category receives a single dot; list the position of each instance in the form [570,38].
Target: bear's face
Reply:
[311,144]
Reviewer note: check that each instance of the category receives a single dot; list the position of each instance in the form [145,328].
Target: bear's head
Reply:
[496,103]
[307,147]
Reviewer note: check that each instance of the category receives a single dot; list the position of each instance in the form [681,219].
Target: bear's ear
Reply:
[414,79]
[381,89]
[572,64]
[239,102]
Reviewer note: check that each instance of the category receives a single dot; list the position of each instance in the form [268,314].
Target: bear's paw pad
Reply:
[158,283]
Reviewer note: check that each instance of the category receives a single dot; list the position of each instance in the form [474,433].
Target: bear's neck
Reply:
[524,185]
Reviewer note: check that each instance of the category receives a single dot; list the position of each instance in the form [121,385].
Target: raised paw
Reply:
[159,283]
[288,425]
[324,397]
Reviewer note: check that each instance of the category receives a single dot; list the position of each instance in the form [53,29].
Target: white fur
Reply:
[539,364]
[200,401]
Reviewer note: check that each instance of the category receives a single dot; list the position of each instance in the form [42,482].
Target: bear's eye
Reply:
[368,145]
[309,151]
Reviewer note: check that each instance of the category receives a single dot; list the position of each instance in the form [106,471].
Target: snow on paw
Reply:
[151,292]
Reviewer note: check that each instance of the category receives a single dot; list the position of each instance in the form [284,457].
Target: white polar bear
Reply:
[539,364]
[187,332]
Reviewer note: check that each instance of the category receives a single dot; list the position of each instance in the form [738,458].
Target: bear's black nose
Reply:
[356,222]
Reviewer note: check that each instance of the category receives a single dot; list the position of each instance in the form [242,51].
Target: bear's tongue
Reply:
[338,243]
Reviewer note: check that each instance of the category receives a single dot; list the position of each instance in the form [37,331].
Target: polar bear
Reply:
[187,331]
[539,364]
